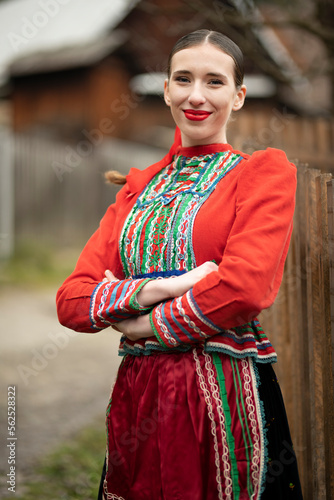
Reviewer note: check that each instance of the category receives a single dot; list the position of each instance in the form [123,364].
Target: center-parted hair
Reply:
[222,42]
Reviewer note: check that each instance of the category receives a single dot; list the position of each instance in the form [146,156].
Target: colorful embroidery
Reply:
[241,341]
[110,496]
[114,301]
[157,235]
[221,376]
[208,401]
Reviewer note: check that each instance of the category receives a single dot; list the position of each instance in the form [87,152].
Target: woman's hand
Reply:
[181,284]
[109,276]
[156,291]
[135,328]
[159,290]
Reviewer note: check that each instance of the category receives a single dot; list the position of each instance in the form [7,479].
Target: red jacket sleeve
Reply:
[84,302]
[249,275]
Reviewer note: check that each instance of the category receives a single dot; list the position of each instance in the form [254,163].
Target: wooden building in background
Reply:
[86,91]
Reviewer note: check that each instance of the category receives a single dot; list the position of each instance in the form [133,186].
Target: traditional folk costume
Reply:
[196,412]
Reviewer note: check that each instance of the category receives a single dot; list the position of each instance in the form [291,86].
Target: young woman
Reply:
[196,412]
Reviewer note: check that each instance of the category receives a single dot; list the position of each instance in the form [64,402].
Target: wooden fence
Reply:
[308,139]
[7,201]
[301,327]
[60,193]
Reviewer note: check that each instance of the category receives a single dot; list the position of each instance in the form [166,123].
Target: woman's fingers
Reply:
[181,284]
[160,290]
[198,273]
[135,328]
[201,271]
[109,276]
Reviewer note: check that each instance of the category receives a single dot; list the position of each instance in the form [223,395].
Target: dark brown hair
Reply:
[198,37]
[217,39]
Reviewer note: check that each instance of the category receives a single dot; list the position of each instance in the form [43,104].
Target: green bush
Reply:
[34,264]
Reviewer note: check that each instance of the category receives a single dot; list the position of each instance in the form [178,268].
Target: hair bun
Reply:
[114,177]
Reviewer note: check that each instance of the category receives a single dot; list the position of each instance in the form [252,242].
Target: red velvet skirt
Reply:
[197,426]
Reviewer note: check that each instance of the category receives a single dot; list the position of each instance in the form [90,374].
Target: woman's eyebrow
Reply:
[182,72]
[218,75]
[187,72]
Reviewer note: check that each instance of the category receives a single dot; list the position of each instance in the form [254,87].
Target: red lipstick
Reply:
[196,114]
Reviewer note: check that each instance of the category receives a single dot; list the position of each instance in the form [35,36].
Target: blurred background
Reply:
[81,92]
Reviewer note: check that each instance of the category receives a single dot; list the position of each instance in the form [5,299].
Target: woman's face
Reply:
[201,93]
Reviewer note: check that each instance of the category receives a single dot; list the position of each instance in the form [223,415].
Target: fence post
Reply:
[315,339]
[329,344]
[300,337]
[6,194]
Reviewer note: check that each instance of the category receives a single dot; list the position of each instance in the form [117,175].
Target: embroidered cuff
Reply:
[180,321]
[114,301]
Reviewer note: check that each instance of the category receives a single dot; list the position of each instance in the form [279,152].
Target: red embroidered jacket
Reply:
[245,226]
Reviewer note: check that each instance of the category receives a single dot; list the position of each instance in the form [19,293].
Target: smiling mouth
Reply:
[196,115]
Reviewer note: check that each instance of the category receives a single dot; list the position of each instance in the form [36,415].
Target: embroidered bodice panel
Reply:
[157,234]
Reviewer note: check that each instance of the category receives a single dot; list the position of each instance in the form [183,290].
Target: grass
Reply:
[33,264]
[71,472]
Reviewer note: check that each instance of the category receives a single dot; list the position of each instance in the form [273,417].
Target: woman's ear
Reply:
[166,93]
[239,98]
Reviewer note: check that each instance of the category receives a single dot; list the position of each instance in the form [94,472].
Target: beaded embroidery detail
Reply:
[157,234]
[111,496]
[208,401]
[245,387]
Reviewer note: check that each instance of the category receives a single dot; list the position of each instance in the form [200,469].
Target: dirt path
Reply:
[62,379]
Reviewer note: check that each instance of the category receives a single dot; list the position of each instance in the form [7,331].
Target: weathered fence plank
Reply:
[315,328]
[7,201]
[328,284]
[60,195]
[301,325]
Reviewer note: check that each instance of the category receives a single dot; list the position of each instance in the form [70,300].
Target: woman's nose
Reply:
[196,96]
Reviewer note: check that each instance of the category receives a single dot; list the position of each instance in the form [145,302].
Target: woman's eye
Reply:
[182,79]
[215,82]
